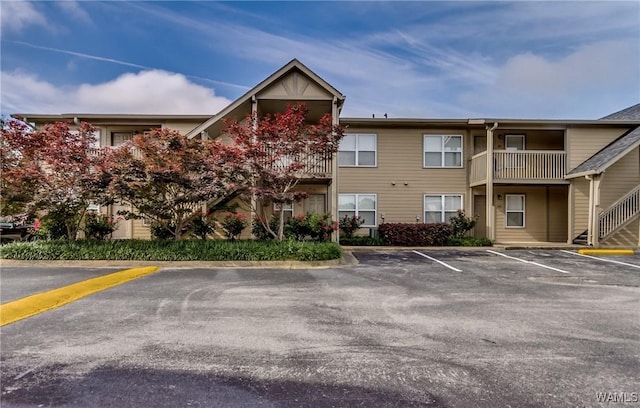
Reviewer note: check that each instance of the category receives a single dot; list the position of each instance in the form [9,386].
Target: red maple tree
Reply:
[279,151]
[167,176]
[53,169]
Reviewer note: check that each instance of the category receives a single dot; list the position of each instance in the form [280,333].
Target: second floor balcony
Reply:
[519,166]
[312,167]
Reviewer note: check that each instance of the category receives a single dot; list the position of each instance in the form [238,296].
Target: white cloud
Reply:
[590,82]
[151,92]
[74,10]
[16,15]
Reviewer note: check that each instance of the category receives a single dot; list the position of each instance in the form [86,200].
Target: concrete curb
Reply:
[346,260]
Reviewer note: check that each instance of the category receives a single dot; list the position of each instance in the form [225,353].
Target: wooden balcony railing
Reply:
[520,166]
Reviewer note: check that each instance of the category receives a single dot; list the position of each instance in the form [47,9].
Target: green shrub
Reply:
[201,226]
[183,250]
[461,224]
[310,227]
[349,225]
[259,231]
[162,231]
[99,226]
[52,226]
[234,223]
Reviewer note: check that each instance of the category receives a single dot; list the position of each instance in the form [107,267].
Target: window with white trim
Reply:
[514,211]
[442,151]
[363,206]
[514,142]
[287,209]
[441,207]
[358,150]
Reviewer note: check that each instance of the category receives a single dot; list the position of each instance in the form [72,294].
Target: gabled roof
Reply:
[630,113]
[291,66]
[608,155]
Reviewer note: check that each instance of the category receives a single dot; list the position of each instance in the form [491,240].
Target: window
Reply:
[358,150]
[442,151]
[514,210]
[287,209]
[118,138]
[514,142]
[361,205]
[441,207]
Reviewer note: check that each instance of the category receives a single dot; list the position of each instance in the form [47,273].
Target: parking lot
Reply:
[399,328]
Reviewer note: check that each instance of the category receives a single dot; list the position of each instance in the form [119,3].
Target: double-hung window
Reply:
[514,210]
[287,209]
[358,150]
[363,206]
[441,207]
[442,151]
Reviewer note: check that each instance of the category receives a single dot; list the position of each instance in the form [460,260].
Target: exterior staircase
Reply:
[616,217]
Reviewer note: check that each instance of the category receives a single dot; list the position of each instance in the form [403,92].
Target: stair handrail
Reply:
[619,213]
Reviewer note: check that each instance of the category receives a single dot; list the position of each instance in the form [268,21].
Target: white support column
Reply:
[490,212]
[590,216]
[596,214]
[333,199]
[570,213]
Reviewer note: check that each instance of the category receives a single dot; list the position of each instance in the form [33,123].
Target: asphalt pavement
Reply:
[407,328]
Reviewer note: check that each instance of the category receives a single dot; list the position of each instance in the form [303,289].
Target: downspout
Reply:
[490,212]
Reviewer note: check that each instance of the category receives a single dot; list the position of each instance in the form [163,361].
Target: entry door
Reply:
[124,226]
[480,209]
[316,203]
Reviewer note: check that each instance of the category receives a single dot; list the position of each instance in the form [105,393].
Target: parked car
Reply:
[12,231]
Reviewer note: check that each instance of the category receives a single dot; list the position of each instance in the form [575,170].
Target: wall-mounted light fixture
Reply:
[499,197]
[417,217]
[393,183]
[382,217]
[406,183]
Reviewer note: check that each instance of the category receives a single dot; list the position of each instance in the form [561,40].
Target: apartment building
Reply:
[526,181]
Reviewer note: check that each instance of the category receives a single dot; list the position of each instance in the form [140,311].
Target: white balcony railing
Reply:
[478,169]
[526,166]
[619,213]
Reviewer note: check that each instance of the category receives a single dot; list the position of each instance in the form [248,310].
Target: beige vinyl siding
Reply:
[533,139]
[584,143]
[399,180]
[181,127]
[141,231]
[620,178]
[628,236]
[540,213]
[580,205]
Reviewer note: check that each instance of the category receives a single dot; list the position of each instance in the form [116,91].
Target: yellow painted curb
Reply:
[606,251]
[41,302]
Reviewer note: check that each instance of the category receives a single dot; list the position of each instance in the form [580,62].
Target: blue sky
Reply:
[456,59]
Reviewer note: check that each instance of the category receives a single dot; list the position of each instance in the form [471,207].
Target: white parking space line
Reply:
[529,262]
[603,260]
[438,261]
